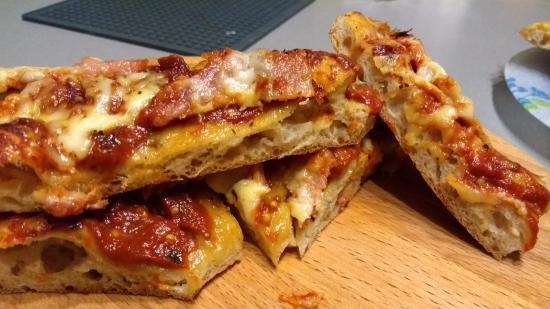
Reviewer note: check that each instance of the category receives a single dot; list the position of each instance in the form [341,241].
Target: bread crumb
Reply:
[309,300]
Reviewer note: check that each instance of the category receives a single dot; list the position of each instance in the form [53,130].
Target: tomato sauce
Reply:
[113,147]
[67,94]
[131,234]
[365,94]
[430,102]
[490,170]
[24,227]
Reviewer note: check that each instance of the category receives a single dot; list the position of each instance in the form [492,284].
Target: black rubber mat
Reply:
[180,26]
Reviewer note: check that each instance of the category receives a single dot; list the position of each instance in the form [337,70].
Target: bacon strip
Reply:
[263,76]
[95,67]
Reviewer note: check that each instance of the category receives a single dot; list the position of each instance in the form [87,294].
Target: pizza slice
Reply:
[497,200]
[71,136]
[537,33]
[288,202]
[169,244]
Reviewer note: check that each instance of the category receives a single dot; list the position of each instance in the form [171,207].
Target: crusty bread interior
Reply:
[56,265]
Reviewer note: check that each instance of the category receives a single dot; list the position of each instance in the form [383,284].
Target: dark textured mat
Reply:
[181,26]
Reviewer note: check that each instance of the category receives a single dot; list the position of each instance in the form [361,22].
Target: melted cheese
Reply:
[240,80]
[23,74]
[75,134]
[430,70]
[249,195]
[74,130]
[469,194]
[224,181]
[302,203]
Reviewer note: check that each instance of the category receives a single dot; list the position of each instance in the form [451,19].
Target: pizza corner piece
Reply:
[497,200]
[288,202]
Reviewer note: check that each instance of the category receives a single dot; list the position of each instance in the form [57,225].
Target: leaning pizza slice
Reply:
[288,202]
[496,199]
[167,244]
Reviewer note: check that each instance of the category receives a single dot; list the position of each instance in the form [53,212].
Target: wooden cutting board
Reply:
[394,246]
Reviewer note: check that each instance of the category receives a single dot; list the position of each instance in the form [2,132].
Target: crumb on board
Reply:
[308,300]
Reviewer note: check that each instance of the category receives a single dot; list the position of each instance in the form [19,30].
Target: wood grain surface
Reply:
[395,246]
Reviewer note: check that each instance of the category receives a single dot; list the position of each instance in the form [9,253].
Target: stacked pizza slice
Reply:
[117,176]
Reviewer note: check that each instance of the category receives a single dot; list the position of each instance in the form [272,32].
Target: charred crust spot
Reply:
[402,33]
[28,289]
[463,122]
[347,43]
[414,65]
[106,142]
[175,256]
